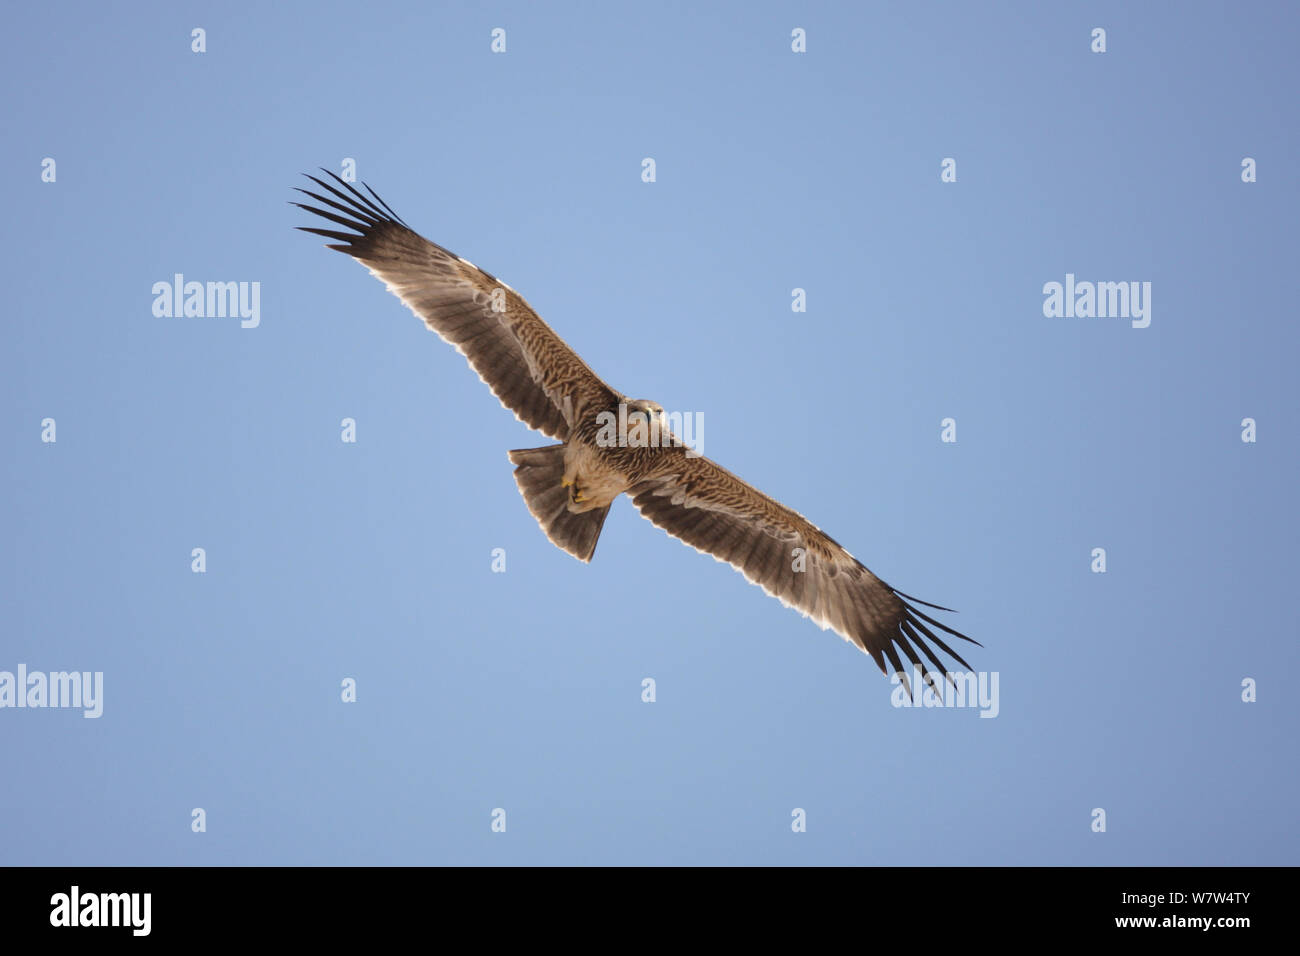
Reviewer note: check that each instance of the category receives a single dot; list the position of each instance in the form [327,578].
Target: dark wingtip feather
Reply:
[910,631]
[353,211]
[329,234]
[927,676]
[385,205]
[943,646]
[360,197]
[912,634]
[897,665]
[925,617]
[937,607]
[360,227]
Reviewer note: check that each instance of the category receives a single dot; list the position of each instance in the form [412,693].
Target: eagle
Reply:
[610,444]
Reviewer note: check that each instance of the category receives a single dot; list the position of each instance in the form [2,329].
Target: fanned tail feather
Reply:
[539,475]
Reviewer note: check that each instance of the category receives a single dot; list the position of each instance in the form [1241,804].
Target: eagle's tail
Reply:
[540,474]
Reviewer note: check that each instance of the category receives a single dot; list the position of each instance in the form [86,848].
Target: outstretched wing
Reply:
[793,560]
[527,366]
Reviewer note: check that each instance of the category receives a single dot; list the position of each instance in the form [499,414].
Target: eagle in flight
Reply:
[569,486]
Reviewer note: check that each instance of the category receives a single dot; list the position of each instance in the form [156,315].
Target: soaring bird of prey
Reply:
[569,486]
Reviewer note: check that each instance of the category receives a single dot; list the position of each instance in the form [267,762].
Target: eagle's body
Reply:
[599,471]
[570,486]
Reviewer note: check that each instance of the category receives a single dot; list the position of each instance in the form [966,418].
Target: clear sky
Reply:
[774,171]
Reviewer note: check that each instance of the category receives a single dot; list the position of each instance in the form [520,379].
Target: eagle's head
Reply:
[639,409]
[643,405]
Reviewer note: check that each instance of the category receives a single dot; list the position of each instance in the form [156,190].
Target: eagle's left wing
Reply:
[793,560]
[521,358]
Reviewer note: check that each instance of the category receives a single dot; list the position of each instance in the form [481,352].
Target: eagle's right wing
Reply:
[775,547]
[527,366]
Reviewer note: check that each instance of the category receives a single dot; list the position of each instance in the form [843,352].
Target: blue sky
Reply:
[521,690]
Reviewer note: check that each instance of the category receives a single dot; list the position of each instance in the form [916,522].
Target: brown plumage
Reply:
[569,487]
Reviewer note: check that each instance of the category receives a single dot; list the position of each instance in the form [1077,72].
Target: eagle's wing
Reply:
[527,366]
[792,559]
